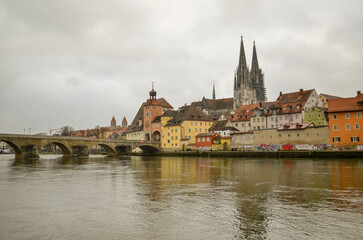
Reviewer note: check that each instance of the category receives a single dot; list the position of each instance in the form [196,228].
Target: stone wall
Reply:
[311,135]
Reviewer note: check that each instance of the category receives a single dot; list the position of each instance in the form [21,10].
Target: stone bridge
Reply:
[28,146]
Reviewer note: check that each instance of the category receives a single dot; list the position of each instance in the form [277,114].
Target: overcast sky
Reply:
[78,63]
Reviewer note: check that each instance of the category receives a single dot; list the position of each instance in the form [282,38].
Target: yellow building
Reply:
[325,99]
[187,122]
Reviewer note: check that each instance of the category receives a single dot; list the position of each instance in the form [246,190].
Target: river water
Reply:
[180,198]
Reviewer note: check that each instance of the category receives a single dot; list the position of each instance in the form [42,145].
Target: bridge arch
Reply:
[110,151]
[65,150]
[148,148]
[15,147]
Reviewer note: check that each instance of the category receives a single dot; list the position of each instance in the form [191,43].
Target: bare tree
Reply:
[66,131]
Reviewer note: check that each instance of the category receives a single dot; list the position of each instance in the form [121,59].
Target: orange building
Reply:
[345,120]
[152,109]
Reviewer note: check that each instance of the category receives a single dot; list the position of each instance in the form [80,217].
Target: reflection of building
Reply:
[145,124]
[345,120]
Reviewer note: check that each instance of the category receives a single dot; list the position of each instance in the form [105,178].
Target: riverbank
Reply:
[275,154]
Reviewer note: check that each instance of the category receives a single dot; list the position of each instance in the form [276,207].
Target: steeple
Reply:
[152,93]
[242,64]
[113,121]
[254,66]
[214,93]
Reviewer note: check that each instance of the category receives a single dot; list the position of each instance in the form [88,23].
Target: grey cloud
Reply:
[81,62]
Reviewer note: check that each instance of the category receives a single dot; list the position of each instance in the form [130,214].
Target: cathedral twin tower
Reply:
[249,86]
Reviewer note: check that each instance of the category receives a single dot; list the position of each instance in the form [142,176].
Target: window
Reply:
[272,126]
[176,144]
[356,126]
[286,118]
[254,128]
[347,126]
[335,117]
[203,139]
[236,124]
[198,139]
[191,123]
[347,116]
[280,117]
[291,118]
[208,139]
[254,120]
[319,115]
[336,139]
[200,130]
[205,130]
[168,140]
[335,127]
[263,119]
[201,124]
[172,138]
[176,130]
[354,139]
[172,130]
[309,116]
[359,115]
[168,134]
[296,116]
[196,130]
[319,123]
[190,130]
[147,114]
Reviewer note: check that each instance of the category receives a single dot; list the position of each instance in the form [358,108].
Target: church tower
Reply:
[243,93]
[257,77]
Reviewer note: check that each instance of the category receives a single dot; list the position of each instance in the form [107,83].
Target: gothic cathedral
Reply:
[249,86]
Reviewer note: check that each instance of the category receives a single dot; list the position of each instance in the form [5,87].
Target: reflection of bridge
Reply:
[28,146]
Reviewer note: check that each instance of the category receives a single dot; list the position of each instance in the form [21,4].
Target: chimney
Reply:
[280,94]
[301,91]
[358,93]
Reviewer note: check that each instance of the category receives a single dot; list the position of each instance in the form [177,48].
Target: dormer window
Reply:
[288,108]
[298,107]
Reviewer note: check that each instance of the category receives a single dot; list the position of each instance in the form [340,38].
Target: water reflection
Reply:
[183,198]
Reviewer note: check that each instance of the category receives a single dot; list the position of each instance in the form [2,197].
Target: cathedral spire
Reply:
[254,66]
[214,92]
[242,57]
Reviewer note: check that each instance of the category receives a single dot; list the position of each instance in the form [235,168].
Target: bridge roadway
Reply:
[28,146]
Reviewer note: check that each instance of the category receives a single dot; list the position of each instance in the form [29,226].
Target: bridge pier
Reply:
[79,151]
[122,150]
[29,151]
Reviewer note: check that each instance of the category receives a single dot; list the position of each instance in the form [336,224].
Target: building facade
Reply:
[186,124]
[345,120]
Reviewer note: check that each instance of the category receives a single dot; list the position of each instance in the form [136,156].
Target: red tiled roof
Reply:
[244,112]
[293,102]
[124,120]
[346,104]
